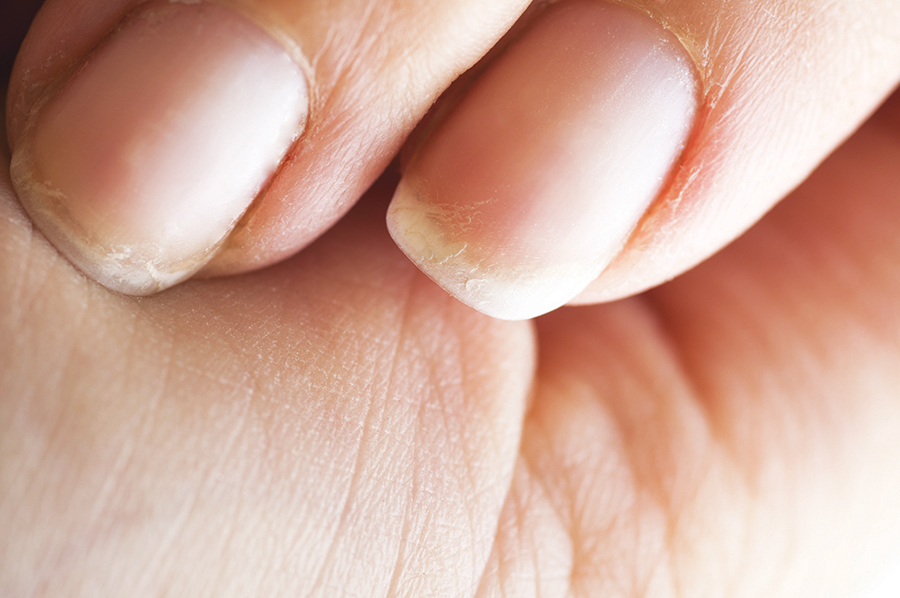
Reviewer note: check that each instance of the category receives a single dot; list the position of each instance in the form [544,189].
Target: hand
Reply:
[336,424]
[596,152]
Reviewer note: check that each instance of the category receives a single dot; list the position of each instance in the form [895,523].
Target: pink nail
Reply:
[535,181]
[144,159]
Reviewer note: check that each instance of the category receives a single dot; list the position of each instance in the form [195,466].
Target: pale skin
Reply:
[336,425]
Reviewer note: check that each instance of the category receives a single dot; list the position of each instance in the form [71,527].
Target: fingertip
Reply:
[534,182]
[420,226]
[139,164]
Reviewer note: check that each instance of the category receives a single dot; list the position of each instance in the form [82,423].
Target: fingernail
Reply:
[143,160]
[534,182]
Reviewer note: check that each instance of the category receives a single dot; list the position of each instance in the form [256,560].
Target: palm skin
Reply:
[336,425]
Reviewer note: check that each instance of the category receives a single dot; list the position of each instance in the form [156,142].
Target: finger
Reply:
[733,432]
[583,148]
[143,131]
[249,437]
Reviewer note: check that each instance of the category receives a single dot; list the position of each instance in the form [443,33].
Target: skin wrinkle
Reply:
[535,493]
[352,488]
[349,66]
[406,528]
[178,529]
[26,267]
[64,369]
[558,523]
[565,519]
[74,423]
[472,481]
[477,489]
[140,422]
[230,451]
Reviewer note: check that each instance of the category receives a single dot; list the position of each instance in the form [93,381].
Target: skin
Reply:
[336,425]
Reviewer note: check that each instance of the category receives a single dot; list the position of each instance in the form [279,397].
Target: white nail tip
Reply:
[420,230]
